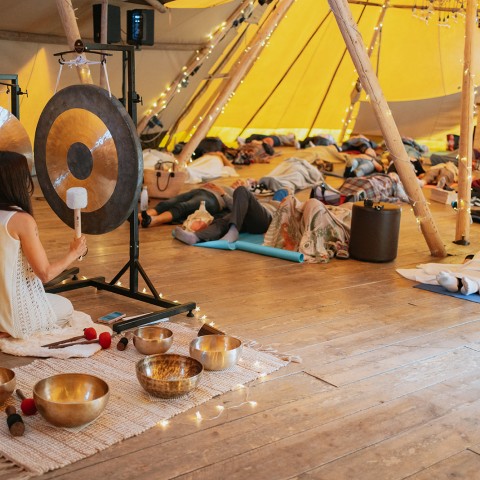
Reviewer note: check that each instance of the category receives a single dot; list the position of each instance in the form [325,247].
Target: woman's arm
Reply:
[23,226]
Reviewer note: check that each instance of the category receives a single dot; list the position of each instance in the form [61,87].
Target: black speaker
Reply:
[140,27]
[113,23]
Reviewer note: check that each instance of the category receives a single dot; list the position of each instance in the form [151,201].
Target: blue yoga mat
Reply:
[439,289]
[248,242]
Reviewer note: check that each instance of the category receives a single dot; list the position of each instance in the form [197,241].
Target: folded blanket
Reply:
[32,347]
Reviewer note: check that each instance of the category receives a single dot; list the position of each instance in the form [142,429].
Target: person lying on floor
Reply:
[467,282]
[317,141]
[208,167]
[319,231]
[256,151]
[361,144]
[247,215]
[443,175]
[415,153]
[277,140]
[178,208]
[362,165]
[25,308]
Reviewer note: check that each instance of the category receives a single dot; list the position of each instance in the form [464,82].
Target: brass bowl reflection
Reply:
[7,383]
[216,352]
[168,375]
[151,340]
[71,399]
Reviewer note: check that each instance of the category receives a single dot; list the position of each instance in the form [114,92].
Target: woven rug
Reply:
[44,447]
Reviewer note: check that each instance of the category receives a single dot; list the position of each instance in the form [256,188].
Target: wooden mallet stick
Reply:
[104,339]
[89,333]
[76,200]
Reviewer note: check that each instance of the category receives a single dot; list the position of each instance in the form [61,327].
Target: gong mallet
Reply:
[76,200]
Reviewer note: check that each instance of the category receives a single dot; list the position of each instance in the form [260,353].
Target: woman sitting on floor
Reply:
[25,308]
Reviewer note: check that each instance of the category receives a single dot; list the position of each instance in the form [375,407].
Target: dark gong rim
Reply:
[129,156]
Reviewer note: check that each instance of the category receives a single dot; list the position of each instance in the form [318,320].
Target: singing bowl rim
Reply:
[216,359]
[7,387]
[63,416]
[150,346]
[183,385]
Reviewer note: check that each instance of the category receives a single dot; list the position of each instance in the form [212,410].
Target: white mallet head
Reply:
[76,198]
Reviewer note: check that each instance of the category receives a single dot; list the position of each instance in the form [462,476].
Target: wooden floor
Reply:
[388,387]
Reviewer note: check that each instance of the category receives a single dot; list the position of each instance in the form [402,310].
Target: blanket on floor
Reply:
[294,174]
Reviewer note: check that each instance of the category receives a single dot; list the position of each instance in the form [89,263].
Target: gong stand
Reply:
[133,266]
[11,82]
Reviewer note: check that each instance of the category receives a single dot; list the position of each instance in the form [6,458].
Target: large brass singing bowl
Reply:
[71,399]
[216,352]
[168,375]
[7,383]
[151,340]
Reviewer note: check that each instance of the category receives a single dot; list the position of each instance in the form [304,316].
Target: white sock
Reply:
[186,237]
[448,281]
[232,234]
[469,286]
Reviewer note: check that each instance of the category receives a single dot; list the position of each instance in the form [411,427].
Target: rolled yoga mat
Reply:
[253,243]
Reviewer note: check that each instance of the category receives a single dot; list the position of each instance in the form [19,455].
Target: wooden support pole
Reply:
[390,132]
[157,6]
[202,90]
[195,62]
[67,15]
[462,233]
[237,73]
[357,89]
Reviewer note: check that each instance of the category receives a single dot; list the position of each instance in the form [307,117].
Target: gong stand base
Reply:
[170,308]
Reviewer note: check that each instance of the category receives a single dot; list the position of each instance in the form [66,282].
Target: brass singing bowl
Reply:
[168,375]
[216,352]
[71,399]
[7,383]
[152,340]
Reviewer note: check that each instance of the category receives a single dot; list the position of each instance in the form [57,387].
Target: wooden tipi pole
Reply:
[236,75]
[194,63]
[465,153]
[67,15]
[390,132]
[357,89]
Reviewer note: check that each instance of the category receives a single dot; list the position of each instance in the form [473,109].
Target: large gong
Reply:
[85,138]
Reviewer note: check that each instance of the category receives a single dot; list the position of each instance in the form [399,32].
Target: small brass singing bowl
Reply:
[168,375]
[216,352]
[71,399]
[7,383]
[152,340]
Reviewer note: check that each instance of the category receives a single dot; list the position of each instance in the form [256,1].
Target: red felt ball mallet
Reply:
[28,404]
[104,339]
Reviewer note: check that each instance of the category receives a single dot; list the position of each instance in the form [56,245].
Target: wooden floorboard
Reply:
[386,378]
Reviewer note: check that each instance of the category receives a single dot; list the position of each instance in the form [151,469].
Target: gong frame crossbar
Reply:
[133,265]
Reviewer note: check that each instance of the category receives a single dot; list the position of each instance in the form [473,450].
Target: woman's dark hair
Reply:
[16,184]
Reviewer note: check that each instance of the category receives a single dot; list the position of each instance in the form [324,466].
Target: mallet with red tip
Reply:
[27,406]
[88,333]
[104,339]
